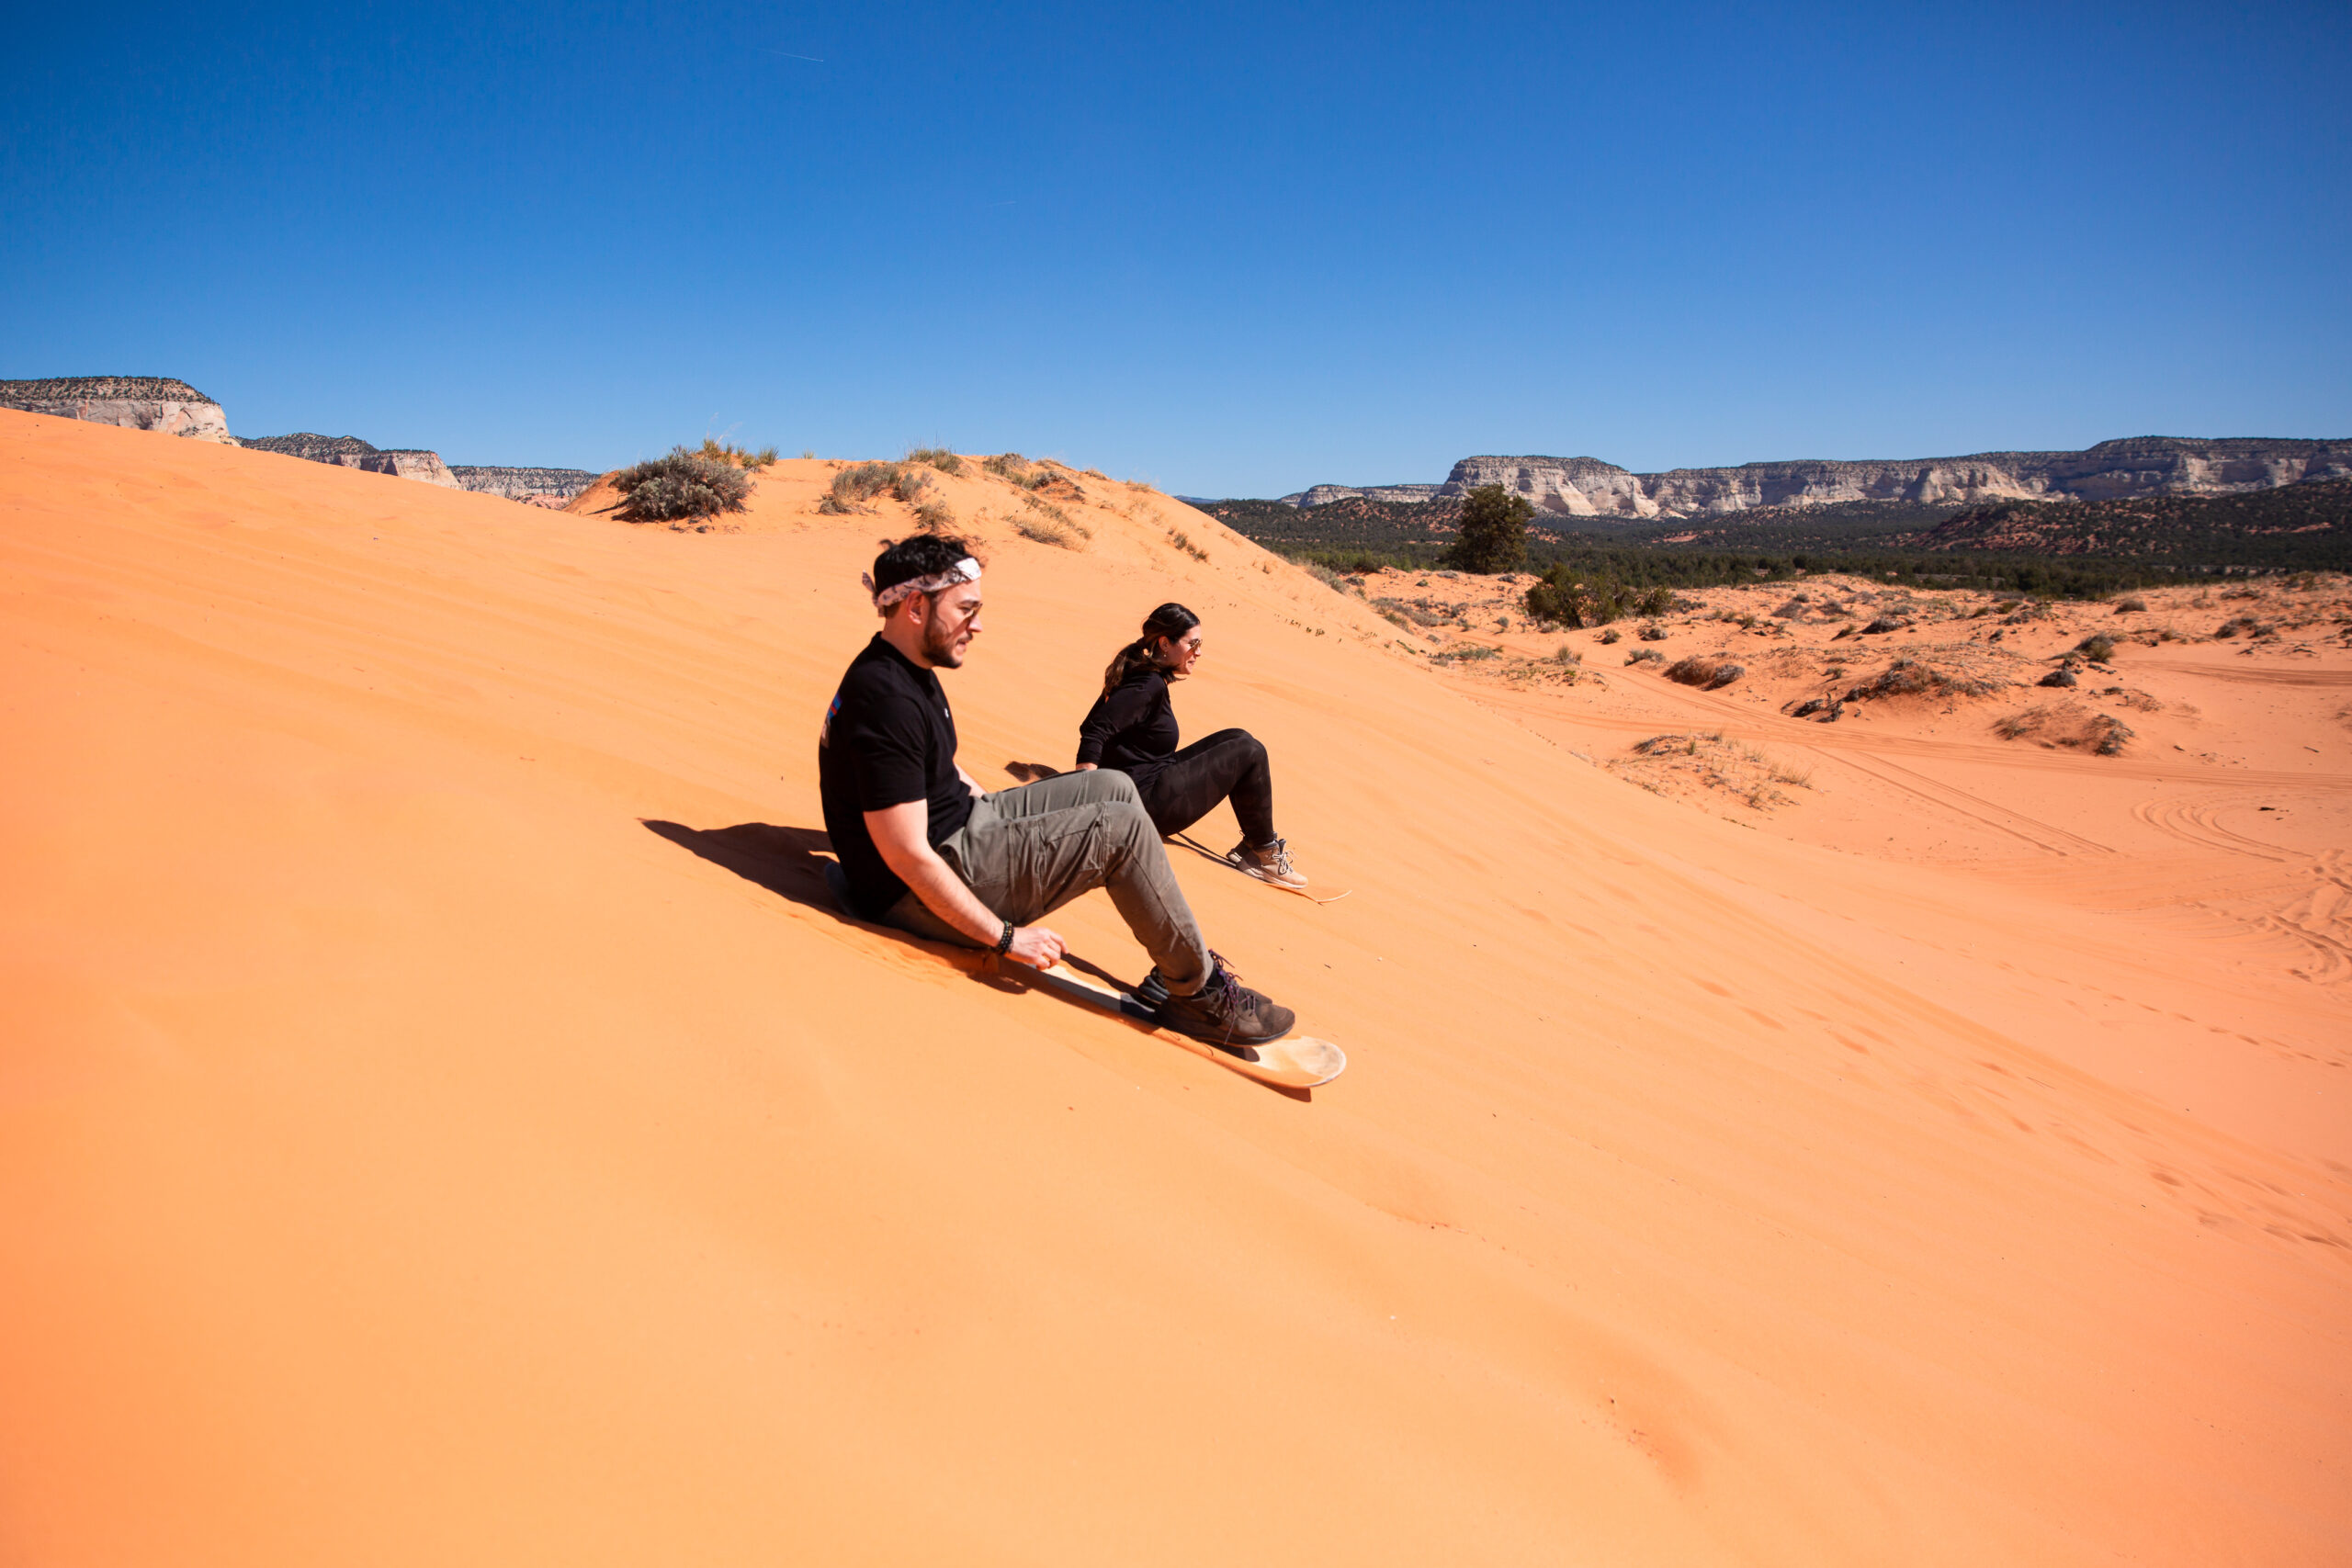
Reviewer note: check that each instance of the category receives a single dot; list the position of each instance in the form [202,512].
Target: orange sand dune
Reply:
[441,1120]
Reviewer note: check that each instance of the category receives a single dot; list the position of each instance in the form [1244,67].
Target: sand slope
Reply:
[440,1119]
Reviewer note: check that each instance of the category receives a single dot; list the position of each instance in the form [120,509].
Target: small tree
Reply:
[1494,531]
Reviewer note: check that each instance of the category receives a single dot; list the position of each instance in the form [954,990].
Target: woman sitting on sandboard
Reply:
[1132,728]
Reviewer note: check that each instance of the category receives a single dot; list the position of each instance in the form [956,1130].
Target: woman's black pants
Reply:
[1184,788]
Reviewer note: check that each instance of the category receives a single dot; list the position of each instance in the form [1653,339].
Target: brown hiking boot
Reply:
[1225,1014]
[1267,863]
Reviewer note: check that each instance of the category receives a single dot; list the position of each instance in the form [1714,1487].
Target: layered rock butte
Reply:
[443,1118]
[350,452]
[136,402]
[2145,465]
[171,406]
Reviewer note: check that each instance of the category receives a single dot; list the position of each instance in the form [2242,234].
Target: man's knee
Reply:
[1111,787]
[1127,823]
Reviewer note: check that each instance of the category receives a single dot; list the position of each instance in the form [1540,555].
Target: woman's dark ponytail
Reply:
[1169,621]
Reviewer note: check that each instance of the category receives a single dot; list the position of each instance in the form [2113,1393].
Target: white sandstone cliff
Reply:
[138,403]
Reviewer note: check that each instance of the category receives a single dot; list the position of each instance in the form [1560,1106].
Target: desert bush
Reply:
[1564,654]
[2116,734]
[2061,676]
[1328,578]
[1707,674]
[2246,623]
[1646,656]
[934,518]
[1913,677]
[1574,598]
[1405,613]
[939,458]
[2126,607]
[1653,632]
[1465,655]
[683,485]
[860,482]
[1882,626]
[908,483]
[2099,648]
[1611,635]
[1177,537]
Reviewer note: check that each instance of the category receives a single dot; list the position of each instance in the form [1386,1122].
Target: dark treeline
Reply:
[2058,550]
[1640,568]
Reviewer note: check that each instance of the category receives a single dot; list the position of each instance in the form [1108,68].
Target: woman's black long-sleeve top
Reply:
[1133,727]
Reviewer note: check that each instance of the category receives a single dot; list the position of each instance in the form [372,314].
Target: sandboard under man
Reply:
[924,848]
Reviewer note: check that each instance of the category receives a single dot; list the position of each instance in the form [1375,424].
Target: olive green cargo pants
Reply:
[1025,853]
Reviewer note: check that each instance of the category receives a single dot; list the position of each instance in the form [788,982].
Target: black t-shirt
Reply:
[889,739]
[1132,728]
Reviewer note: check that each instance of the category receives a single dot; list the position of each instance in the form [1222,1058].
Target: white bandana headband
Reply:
[965,570]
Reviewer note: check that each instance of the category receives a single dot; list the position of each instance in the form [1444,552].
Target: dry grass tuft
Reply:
[1706,673]
[1049,524]
[1710,763]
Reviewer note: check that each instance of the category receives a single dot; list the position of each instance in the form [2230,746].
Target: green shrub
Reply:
[683,485]
[934,518]
[860,482]
[1611,635]
[939,458]
[1572,597]
[1646,656]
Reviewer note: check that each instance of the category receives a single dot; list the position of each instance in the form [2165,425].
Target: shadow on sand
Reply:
[793,862]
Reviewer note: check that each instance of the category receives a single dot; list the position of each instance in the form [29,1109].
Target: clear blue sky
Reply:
[1231,250]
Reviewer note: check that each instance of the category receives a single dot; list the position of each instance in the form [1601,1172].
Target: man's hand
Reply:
[901,835]
[1037,947]
[1086,767]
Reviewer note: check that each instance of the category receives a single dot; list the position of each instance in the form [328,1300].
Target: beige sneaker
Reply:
[1267,863]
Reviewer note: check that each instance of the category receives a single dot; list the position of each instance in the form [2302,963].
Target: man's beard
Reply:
[938,646]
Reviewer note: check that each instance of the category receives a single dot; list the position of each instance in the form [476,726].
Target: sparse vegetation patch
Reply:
[1706,673]
[684,486]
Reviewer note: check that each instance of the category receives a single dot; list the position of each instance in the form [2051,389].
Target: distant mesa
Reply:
[2140,465]
[539,486]
[170,405]
[350,452]
[1323,495]
[137,403]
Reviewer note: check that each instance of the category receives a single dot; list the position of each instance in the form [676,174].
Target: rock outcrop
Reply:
[138,402]
[538,487]
[1579,487]
[2146,465]
[350,452]
[1323,495]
